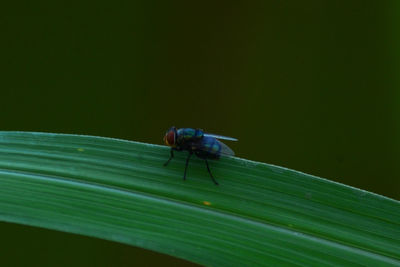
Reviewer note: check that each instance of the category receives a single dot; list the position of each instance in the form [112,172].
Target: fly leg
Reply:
[208,168]
[187,163]
[171,156]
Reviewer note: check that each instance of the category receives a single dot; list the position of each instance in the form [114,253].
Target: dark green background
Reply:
[308,85]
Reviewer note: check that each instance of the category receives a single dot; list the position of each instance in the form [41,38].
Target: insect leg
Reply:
[208,168]
[187,162]
[171,156]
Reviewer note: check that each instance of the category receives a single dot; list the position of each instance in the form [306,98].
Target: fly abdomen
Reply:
[211,146]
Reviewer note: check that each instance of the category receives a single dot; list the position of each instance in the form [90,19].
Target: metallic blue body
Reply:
[195,141]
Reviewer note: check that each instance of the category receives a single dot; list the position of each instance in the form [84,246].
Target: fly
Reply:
[196,141]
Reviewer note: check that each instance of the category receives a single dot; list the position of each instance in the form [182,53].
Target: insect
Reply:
[196,141]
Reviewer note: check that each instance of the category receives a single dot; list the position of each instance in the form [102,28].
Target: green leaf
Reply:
[259,214]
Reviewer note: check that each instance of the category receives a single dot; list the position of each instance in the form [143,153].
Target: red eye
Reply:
[170,138]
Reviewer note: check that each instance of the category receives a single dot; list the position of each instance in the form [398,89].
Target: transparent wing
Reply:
[225,150]
[220,137]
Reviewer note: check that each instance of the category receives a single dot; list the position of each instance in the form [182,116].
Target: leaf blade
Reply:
[119,190]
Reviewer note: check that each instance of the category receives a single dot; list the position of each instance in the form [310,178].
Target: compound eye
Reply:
[170,138]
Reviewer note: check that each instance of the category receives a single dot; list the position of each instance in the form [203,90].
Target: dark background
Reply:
[308,85]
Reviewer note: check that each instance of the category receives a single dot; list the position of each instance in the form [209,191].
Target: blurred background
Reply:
[311,86]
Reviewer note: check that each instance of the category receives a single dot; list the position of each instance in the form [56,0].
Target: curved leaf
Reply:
[259,214]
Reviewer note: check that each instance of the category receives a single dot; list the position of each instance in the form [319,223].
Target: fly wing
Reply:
[225,150]
[220,137]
